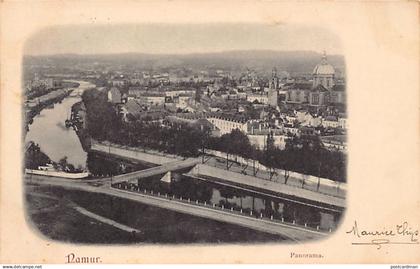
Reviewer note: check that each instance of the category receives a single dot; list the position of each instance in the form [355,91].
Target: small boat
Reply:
[68,123]
[49,170]
[74,93]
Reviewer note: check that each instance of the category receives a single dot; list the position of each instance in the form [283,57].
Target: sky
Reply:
[179,39]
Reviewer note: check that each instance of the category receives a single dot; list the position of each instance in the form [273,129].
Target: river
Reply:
[49,132]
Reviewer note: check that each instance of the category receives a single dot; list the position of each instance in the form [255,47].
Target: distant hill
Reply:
[291,61]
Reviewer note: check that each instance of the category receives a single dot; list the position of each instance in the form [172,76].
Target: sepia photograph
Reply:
[222,133]
[209,132]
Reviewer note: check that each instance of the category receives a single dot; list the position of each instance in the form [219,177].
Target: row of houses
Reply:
[315,97]
[305,118]
[164,78]
[46,83]
[256,130]
[143,78]
[182,99]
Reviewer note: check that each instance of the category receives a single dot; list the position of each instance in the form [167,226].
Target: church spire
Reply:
[324,57]
[274,79]
[274,72]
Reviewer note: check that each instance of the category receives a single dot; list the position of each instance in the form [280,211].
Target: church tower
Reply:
[274,82]
[273,89]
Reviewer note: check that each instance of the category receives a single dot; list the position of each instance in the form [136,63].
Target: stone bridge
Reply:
[161,169]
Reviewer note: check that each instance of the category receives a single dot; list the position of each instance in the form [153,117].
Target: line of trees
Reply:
[177,139]
[102,119]
[304,154]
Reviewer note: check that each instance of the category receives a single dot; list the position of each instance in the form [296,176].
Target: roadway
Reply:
[293,232]
[158,170]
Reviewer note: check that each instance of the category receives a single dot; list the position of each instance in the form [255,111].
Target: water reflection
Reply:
[249,201]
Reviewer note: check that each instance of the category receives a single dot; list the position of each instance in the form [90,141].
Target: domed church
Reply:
[322,92]
[324,89]
[323,74]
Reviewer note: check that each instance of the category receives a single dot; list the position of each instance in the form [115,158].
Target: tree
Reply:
[34,157]
[226,193]
[225,143]
[239,143]
[102,120]
[306,155]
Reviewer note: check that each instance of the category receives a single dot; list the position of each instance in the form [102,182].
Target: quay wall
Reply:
[326,186]
[309,188]
[149,156]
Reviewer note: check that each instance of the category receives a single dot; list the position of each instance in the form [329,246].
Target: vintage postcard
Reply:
[209,132]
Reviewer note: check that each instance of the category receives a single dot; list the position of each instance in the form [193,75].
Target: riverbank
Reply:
[37,101]
[78,123]
[32,95]
[48,128]
[35,106]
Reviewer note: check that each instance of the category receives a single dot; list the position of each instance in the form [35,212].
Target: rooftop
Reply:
[228,117]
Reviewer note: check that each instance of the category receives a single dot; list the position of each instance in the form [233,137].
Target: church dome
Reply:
[324,68]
